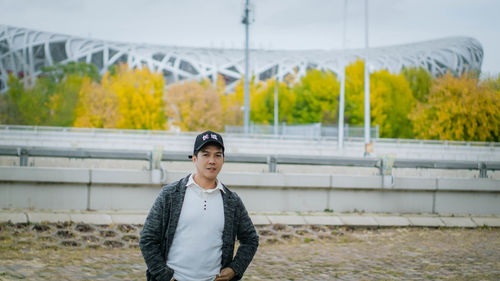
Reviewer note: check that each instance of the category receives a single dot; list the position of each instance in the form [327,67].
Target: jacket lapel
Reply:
[177,199]
[227,234]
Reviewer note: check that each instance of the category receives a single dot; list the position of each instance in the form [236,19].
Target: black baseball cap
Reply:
[207,137]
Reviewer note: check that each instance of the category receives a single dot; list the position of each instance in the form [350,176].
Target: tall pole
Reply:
[276,106]
[246,22]
[367,87]
[342,84]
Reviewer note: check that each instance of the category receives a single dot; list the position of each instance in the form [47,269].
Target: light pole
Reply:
[342,85]
[276,114]
[246,113]
[368,146]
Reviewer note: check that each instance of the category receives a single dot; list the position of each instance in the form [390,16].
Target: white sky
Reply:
[279,24]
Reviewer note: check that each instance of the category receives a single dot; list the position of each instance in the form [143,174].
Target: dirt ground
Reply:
[347,254]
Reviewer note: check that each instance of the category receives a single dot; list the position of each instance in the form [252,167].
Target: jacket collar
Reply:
[219,186]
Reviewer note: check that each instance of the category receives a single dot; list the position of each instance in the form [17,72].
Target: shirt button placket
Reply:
[204,201]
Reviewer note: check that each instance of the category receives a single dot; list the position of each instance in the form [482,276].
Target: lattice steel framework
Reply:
[24,52]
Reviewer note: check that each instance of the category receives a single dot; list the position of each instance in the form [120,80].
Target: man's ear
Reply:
[194,159]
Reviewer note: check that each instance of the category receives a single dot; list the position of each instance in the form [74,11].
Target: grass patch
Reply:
[12,275]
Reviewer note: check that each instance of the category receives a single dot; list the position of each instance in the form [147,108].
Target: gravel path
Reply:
[360,254]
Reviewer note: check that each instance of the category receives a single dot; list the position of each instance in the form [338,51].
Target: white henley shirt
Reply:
[196,251]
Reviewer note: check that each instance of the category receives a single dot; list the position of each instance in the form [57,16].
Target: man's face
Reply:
[208,161]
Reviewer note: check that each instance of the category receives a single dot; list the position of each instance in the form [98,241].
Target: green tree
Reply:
[391,101]
[420,80]
[26,106]
[459,108]
[316,98]
[58,72]
[63,101]
[51,101]
[262,103]
[10,110]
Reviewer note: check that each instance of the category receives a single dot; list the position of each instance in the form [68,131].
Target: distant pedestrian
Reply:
[190,232]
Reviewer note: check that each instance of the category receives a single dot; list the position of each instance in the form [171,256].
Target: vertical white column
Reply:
[342,84]
[276,113]
[246,117]
[367,86]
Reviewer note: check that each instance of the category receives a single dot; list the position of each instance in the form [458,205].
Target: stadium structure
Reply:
[24,52]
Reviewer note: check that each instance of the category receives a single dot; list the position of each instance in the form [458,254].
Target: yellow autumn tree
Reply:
[140,95]
[459,108]
[98,105]
[492,83]
[126,99]
[391,101]
[354,93]
[194,106]
[232,103]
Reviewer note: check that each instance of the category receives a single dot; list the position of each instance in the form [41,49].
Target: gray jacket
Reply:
[160,225]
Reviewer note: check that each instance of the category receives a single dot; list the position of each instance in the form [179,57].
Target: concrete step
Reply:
[330,219]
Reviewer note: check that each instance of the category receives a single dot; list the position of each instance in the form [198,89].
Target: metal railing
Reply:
[7,129]
[314,130]
[384,164]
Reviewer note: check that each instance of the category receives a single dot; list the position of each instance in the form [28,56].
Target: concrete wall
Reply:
[101,189]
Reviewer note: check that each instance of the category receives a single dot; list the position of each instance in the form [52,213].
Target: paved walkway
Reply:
[402,253]
[322,218]
[65,245]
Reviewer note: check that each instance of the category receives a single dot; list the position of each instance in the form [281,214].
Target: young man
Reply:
[190,232]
